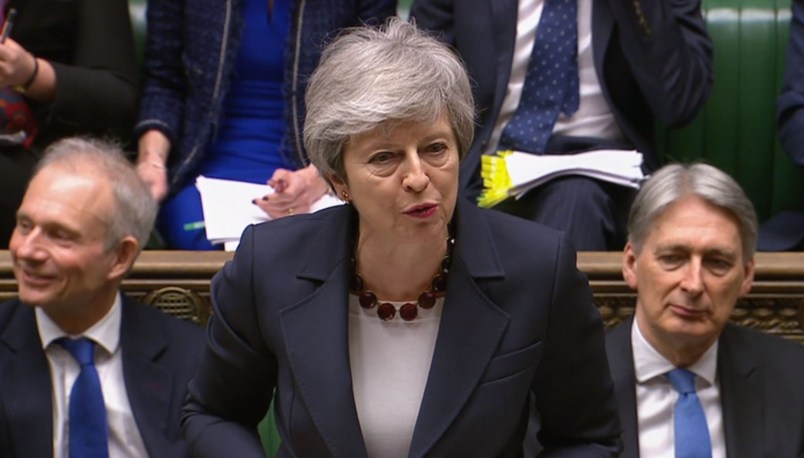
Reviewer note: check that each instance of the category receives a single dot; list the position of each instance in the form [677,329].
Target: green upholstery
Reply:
[136,10]
[736,130]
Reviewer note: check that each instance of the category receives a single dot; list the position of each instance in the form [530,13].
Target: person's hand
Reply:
[152,154]
[16,64]
[294,192]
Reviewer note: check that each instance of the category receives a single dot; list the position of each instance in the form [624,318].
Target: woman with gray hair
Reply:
[408,322]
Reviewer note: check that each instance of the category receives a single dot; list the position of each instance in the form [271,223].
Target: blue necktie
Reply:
[551,83]
[691,432]
[88,429]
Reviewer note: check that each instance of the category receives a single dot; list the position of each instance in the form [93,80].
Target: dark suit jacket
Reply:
[518,318]
[790,107]
[761,389]
[660,70]
[160,353]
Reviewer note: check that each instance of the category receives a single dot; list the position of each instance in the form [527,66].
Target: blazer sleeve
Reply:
[670,54]
[573,390]
[790,106]
[435,15]
[98,89]
[376,11]
[232,387]
[164,83]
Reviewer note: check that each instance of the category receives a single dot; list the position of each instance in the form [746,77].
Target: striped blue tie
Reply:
[691,432]
[88,429]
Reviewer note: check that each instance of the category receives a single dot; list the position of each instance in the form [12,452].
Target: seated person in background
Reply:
[688,382]
[81,225]
[615,70]
[790,106]
[224,98]
[67,68]
[785,230]
[409,322]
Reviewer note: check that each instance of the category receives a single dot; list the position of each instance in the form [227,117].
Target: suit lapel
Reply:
[602,30]
[741,395]
[317,341]
[470,331]
[148,384]
[621,361]
[26,385]
[504,14]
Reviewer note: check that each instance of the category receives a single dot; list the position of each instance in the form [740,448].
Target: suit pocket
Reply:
[511,363]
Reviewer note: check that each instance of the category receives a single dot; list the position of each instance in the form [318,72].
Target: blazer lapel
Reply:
[741,396]
[148,384]
[26,385]
[316,338]
[470,331]
[621,361]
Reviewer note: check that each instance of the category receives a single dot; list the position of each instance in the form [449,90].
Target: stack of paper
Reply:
[228,209]
[513,173]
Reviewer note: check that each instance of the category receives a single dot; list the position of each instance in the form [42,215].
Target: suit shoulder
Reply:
[7,310]
[174,328]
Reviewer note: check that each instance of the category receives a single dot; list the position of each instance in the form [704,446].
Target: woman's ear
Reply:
[337,183]
[341,188]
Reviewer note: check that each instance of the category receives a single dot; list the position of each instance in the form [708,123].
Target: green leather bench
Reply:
[736,130]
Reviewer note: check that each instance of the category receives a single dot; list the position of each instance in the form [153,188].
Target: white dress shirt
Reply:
[594,118]
[124,436]
[390,362]
[656,398]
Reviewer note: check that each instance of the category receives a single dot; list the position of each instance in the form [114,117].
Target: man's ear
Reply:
[749,277]
[125,253]
[630,266]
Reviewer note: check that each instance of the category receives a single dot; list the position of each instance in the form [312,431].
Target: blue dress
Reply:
[250,127]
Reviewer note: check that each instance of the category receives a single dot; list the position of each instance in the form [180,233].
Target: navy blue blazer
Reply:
[790,106]
[518,319]
[160,354]
[761,392]
[654,64]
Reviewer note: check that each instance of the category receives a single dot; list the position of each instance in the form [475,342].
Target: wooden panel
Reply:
[178,282]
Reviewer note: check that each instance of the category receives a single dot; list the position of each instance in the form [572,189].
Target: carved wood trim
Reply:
[178,282]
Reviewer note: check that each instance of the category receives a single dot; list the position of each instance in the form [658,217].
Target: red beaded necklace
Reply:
[408,311]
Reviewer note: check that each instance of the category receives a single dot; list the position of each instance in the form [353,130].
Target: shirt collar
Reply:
[105,333]
[649,363]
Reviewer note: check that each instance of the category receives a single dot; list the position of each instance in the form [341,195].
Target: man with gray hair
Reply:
[85,371]
[688,383]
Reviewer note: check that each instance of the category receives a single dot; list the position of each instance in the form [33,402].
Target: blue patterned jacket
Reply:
[190,51]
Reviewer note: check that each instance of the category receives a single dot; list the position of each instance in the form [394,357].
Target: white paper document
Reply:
[228,209]
[527,171]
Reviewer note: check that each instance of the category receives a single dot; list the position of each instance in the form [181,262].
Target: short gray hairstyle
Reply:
[368,76]
[675,181]
[135,209]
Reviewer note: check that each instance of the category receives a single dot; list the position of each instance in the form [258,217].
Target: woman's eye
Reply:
[436,148]
[381,157]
